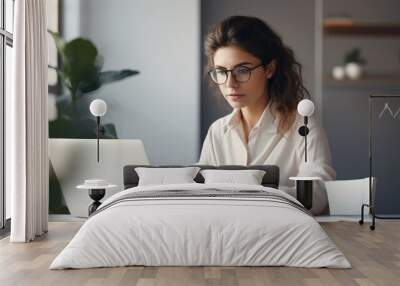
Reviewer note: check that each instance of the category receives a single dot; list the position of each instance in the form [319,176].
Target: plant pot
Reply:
[338,72]
[353,70]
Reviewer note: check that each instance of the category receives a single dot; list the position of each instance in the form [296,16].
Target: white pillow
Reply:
[248,177]
[163,176]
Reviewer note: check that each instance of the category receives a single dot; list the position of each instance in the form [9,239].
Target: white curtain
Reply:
[27,124]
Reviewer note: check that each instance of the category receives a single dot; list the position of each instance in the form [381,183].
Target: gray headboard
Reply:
[270,179]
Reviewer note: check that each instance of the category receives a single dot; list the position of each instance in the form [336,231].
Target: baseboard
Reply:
[336,218]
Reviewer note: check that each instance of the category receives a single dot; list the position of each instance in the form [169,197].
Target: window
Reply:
[53,9]
[6,44]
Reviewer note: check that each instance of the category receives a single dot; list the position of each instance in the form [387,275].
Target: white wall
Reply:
[161,40]
[71,18]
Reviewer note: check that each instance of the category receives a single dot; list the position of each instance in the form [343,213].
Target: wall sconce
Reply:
[98,108]
[305,108]
[304,185]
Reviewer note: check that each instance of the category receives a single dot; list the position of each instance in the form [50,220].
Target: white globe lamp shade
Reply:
[98,107]
[305,107]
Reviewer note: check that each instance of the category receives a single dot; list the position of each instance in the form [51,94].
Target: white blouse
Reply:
[225,145]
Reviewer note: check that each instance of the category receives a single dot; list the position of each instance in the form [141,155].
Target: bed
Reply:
[201,224]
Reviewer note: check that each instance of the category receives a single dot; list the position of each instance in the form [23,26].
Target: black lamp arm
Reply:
[303,131]
[100,131]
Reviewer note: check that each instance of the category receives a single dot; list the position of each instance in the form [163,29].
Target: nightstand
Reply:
[304,190]
[97,190]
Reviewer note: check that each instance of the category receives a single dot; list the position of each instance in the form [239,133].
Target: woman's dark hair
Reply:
[285,87]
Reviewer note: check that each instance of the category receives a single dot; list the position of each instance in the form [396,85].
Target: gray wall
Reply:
[346,105]
[382,53]
[295,21]
[161,40]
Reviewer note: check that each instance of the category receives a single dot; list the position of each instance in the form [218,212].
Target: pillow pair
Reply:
[184,175]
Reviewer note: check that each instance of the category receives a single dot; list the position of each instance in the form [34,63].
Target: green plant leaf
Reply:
[75,128]
[57,203]
[105,77]
[78,128]
[354,56]
[111,132]
[80,62]
[111,76]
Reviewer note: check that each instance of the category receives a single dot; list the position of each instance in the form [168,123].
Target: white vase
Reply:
[338,72]
[353,70]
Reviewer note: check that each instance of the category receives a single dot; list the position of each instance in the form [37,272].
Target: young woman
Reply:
[260,78]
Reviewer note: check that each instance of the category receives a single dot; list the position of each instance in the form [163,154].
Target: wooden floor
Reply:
[374,255]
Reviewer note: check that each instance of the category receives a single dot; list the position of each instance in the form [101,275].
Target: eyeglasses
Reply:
[240,73]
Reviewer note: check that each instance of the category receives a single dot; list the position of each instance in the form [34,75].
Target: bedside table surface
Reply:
[86,187]
[305,179]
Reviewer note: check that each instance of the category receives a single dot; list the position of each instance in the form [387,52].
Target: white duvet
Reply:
[200,231]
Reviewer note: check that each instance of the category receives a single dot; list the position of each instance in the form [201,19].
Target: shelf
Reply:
[367,80]
[359,29]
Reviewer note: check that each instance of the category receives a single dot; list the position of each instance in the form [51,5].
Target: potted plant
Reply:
[353,63]
[79,73]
